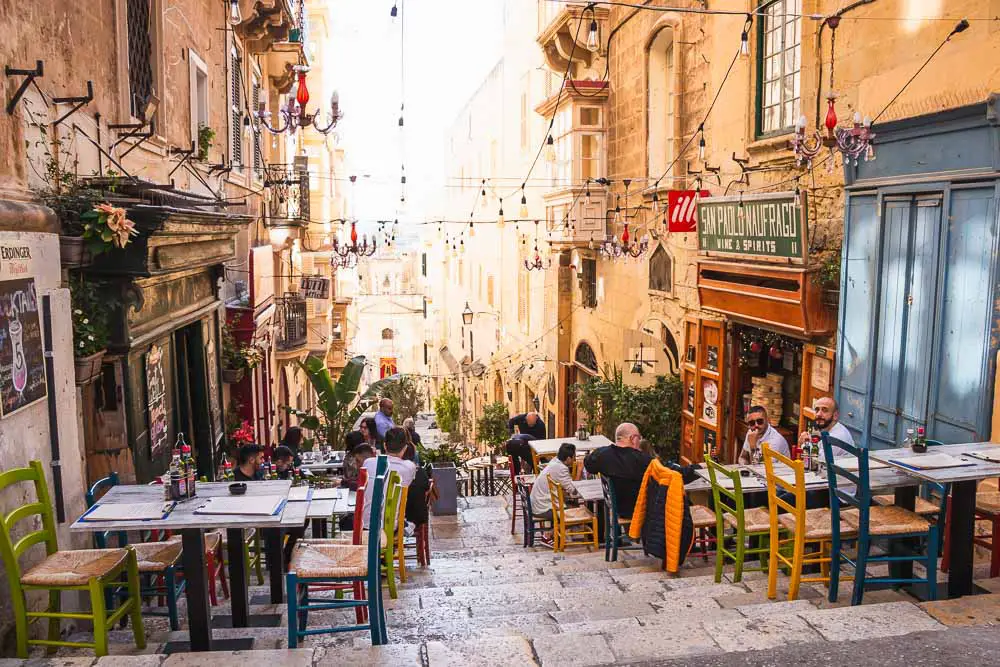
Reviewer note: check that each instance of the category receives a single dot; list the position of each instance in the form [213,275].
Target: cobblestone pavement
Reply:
[485,600]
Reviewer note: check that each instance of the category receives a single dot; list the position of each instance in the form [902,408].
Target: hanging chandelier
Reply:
[852,142]
[628,245]
[537,263]
[365,249]
[294,114]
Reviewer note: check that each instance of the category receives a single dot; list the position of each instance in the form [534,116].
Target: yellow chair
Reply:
[400,553]
[571,522]
[813,526]
[92,570]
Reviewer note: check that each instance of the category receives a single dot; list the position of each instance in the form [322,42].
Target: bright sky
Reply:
[451,45]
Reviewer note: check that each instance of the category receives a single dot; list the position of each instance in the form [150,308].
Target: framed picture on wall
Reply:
[712,358]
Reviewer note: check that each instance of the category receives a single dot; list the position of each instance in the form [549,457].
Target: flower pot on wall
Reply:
[88,368]
[232,375]
[73,252]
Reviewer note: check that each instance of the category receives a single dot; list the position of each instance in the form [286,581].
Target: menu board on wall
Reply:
[22,364]
[215,407]
[156,401]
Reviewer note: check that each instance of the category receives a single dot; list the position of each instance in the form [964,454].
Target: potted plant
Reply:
[491,428]
[237,359]
[90,330]
[206,136]
[443,460]
[828,278]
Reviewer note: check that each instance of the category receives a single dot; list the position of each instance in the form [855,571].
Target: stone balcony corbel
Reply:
[267,23]
[571,24]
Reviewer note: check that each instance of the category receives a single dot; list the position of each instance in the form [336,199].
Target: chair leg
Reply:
[373,611]
[932,539]
[860,572]
[211,567]
[135,614]
[100,618]
[513,515]
[995,547]
[170,589]
[21,624]
[741,545]
[401,561]
[222,572]
[946,549]
[390,574]
[55,603]
[383,630]
[797,556]
[291,585]
[720,562]
[834,571]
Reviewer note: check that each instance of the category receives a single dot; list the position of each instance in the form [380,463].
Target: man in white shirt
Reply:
[557,469]
[827,416]
[759,432]
[395,446]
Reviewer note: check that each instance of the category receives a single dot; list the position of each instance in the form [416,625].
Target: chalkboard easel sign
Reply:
[22,363]
[156,392]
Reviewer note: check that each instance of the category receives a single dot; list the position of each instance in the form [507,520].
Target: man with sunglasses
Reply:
[759,431]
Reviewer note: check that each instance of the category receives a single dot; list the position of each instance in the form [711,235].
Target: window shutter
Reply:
[258,157]
[140,55]
[236,107]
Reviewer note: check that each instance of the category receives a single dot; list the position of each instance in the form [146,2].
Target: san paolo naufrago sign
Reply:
[768,226]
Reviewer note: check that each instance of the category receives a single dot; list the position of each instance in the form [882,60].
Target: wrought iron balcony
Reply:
[292,330]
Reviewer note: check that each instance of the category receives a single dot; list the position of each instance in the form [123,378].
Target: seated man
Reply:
[395,447]
[529,426]
[284,462]
[760,431]
[248,464]
[558,469]
[624,464]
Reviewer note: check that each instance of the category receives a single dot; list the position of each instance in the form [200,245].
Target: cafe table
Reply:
[962,480]
[550,447]
[192,527]
[336,503]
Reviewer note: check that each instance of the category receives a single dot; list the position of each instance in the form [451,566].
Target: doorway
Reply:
[192,416]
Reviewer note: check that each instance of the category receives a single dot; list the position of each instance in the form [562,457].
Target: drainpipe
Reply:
[50,379]
[833,19]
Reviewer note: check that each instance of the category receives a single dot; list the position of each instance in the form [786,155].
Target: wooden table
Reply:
[963,482]
[550,447]
[192,528]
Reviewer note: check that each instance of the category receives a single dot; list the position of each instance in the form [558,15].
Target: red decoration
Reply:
[831,115]
[756,347]
[625,235]
[302,96]
[775,352]
[244,435]
[682,210]
[354,234]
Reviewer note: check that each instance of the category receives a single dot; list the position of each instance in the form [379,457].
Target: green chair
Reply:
[93,570]
[392,498]
[251,553]
[727,497]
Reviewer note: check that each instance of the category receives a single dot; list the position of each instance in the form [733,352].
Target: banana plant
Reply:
[338,404]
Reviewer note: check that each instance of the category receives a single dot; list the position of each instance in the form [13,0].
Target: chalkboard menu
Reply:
[156,399]
[770,226]
[22,364]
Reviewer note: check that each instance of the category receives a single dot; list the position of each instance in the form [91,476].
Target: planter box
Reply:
[232,375]
[73,252]
[88,368]
[445,476]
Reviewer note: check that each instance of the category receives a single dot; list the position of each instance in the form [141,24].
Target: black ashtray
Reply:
[744,472]
[238,488]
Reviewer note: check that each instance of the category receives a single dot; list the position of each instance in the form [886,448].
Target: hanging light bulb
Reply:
[592,36]
[701,144]
[656,205]
[483,192]
[523,213]
[401,115]
[235,16]
[302,94]
[798,195]
[697,190]
[500,216]
[588,191]
[394,11]
[472,229]
[550,150]
[745,44]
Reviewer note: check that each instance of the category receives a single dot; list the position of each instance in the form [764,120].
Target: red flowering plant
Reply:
[244,435]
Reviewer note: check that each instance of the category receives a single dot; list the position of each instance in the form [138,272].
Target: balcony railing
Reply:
[291,314]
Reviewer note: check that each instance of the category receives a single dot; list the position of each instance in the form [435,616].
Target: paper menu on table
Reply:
[993,456]
[300,493]
[850,464]
[247,505]
[807,478]
[128,512]
[327,494]
[931,462]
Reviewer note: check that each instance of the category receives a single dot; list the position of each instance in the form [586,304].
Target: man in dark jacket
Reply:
[528,426]
[624,463]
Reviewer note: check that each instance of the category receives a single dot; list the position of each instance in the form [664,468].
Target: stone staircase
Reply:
[485,600]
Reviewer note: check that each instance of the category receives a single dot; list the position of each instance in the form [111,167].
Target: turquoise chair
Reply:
[615,527]
[156,561]
[879,522]
[333,562]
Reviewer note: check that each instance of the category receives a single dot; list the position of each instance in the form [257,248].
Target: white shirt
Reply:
[407,471]
[840,432]
[774,440]
[541,502]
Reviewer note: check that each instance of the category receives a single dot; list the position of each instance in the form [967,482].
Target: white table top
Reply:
[880,479]
[590,490]
[550,446]
[979,470]
[183,515]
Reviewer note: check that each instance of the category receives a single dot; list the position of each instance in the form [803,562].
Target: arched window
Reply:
[661,271]
[386,334]
[660,106]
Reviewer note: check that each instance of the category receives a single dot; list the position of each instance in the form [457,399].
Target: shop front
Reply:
[762,337]
[918,323]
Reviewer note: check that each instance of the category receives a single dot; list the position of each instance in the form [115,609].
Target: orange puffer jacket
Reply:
[662,490]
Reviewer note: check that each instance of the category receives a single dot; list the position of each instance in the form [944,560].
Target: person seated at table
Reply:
[530,427]
[248,464]
[284,462]
[292,440]
[395,447]
[558,469]
[369,431]
[759,431]
[624,463]
[417,498]
[827,419]
[361,452]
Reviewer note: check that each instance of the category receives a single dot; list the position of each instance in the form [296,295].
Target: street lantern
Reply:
[467,314]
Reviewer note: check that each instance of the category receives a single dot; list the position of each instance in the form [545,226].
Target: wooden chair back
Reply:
[10,549]
[797,489]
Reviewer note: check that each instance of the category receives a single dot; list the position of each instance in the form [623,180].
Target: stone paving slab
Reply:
[131,661]
[970,610]
[768,609]
[643,645]
[871,621]
[402,655]
[605,600]
[489,652]
[299,657]
[573,650]
[760,632]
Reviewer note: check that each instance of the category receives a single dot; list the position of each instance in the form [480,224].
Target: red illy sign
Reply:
[682,210]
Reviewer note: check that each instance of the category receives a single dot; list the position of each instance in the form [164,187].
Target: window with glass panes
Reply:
[779,59]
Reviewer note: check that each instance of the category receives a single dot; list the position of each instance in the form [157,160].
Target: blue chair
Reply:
[156,561]
[532,523]
[881,522]
[333,562]
[615,526]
